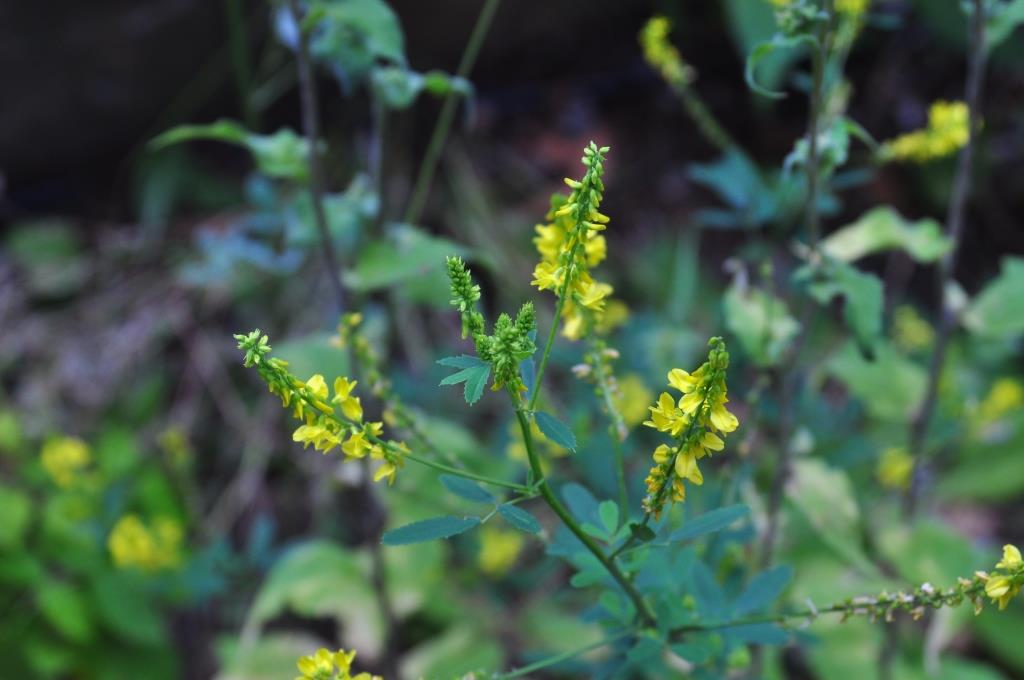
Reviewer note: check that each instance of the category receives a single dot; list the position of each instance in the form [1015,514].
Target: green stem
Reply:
[706,122]
[467,474]
[643,610]
[564,656]
[444,120]
[616,426]
[550,341]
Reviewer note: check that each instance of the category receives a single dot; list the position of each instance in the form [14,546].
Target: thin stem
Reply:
[559,306]
[564,656]
[954,231]
[791,381]
[705,121]
[311,129]
[444,120]
[643,610]
[617,427]
[468,475]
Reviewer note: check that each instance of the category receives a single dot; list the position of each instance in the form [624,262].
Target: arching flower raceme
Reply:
[570,245]
[151,548]
[697,422]
[329,422]
[662,56]
[946,133]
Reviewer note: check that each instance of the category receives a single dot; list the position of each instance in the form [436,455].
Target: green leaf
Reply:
[890,388]
[737,180]
[16,511]
[429,530]
[1003,20]
[519,518]
[455,653]
[460,486]
[751,23]
[609,512]
[311,354]
[398,87]
[65,608]
[474,375]
[760,52]
[555,430]
[883,229]
[764,589]
[709,522]
[863,300]
[998,311]
[761,322]
[351,36]
[284,154]
[824,496]
[125,610]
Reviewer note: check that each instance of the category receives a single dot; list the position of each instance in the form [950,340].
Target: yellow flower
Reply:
[322,664]
[947,131]
[351,407]
[356,446]
[64,459]
[665,417]
[499,550]
[1011,558]
[910,332]
[320,436]
[895,468]
[631,399]
[686,467]
[133,544]
[1005,585]
[547,276]
[662,55]
[1006,395]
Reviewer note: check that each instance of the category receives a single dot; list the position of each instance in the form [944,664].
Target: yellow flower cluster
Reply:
[1004,585]
[695,423]
[133,544]
[570,245]
[895,468]
[328,665]
[329,422]
[64,459]
[854,8]
[947,131]
[662,54]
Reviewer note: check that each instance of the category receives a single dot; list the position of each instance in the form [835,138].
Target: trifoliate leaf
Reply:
[460,486]
[709,522]
[863,300]
[519,518]
[555,430]
[609,512]
[474,374]
[429,530]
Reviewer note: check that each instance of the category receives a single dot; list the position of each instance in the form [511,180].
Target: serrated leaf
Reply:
[609,512]
[555,430]
[883,229]
[429,530]
[464,488]
[519,518]
[461,361]
[764,589]
[709,522]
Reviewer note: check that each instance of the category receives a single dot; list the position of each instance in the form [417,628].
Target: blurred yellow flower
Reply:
[1006,395]
[323,665]
[662,55]
[632,398]
[946,132]
[499,549]
[910,331]
[133,544]
[895,468]
[64,459]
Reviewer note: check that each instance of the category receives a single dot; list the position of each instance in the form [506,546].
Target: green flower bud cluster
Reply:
[511,341]
[799,17]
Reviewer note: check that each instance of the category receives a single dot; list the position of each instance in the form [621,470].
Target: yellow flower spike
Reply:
[134,545]
[947,132]
[1011,558]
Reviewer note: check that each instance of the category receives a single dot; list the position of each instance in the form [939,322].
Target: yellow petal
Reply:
[681,380]
[1011,558]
